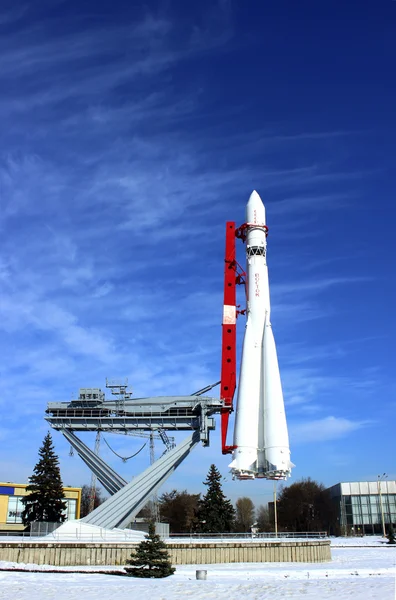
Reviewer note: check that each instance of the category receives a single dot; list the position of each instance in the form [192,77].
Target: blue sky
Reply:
[131,132]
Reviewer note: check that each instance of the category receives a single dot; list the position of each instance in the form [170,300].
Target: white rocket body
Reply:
[260,434]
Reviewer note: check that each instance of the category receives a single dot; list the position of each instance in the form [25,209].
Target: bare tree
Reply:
[86,497]
[305,505]
[244,514]
[263,520]
[148,512]
[179,509]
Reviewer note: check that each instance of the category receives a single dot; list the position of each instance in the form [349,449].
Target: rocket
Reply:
[261,441]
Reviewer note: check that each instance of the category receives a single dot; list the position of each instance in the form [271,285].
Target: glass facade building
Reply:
[363,506]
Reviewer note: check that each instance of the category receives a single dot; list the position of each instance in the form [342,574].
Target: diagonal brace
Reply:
[120,509]
[111,481]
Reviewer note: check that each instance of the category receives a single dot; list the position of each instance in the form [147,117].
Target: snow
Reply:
[368,540]
[79,531]
[360,573]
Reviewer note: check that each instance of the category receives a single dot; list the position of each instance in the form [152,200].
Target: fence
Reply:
[127,535]
[41,528]
[79,535]
[306,535]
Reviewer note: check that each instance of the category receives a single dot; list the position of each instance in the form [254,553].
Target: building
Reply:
[364,506]
[11,506]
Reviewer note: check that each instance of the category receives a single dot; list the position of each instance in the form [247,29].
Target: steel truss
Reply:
[95,413]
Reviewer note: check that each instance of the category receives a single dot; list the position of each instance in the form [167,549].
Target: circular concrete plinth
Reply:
[196,553]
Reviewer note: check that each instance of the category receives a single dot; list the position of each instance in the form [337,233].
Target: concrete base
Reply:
[80,553]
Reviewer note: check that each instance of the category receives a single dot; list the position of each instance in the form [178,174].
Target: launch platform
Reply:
[92,412]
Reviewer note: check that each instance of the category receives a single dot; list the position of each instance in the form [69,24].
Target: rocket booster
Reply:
[260,436]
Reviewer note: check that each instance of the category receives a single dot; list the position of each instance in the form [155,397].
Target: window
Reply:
[15,509]
[357,518]
[71,507]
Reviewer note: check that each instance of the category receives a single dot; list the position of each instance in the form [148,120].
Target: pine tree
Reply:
[215,513]
[44,501]
[151,558]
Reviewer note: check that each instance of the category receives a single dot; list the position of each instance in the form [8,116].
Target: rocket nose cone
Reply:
[255,207]
[254,197]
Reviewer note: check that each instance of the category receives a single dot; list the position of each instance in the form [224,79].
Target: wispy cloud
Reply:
[99,61]
[13,14]
[323,430]
[120,163]
[304,204]
[314,286]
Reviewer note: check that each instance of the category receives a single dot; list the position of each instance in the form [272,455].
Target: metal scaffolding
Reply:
[154,416]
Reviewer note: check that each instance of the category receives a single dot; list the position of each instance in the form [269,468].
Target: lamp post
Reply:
[275,512]
[381,478]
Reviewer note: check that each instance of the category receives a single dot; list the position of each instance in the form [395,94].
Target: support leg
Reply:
[111,481]
[122,508]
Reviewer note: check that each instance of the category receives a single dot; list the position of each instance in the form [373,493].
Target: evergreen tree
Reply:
[215,512]
[45,501]
[151,558]
[391,535]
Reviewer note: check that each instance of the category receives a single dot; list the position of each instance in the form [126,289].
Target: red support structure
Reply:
[232,276]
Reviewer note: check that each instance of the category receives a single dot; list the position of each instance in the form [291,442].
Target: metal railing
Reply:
[78,536]
[254,536]
[103,535]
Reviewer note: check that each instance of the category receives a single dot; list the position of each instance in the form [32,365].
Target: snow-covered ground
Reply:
[78,531]
[354,573]
[367,540]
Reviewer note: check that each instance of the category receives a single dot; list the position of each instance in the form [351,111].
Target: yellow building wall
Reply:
[76,494]
[3,508]
[20,490]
